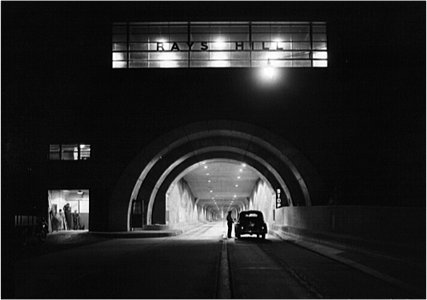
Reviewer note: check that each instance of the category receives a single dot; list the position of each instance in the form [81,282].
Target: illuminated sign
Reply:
[219,44]
[279,201]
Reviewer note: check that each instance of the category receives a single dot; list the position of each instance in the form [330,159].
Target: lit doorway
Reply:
[68,210]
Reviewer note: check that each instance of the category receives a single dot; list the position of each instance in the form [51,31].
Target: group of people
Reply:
[64,219]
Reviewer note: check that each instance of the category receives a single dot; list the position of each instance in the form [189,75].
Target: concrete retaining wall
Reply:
[356,225]
[180,205]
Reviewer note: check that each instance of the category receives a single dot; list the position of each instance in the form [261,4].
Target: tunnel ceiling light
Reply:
[207,174]
[234,196]
[209,181]
[211,191]
[240,170]
[205,167]
[243,165]
[236,185]
[238,177]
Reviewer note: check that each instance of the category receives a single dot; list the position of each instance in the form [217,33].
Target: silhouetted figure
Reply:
[76,220]
[53,218]
[229,224]
[62,221]
[67,213]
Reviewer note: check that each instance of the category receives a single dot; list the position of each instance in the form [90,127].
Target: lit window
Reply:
[219,44]
[55,152]
[84,151]
[69,152]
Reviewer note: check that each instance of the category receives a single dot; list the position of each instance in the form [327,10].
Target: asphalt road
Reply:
[197,264]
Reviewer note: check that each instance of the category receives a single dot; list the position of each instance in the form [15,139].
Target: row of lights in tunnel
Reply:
[236,185]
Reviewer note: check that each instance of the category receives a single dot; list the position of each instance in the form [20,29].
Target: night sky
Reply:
[361,121]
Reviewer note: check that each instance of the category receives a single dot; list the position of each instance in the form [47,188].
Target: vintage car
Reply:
[250,222]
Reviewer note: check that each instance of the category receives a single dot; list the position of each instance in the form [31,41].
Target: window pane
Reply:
[167,64]
[138,64]
[135,29]
[119,64]
[301,46]
[319,46]
[138,56]
[300,37]
[199,55]
[261,37]
[283,63]
[84,206]
[54,152]
[70,152]
[200,37]
[119,46]
[301,63]
[119,38]
[319,37]
[119,56]
[301,54]
[320,63]
[320,54]
[84,151]
[240,55]
[139,38]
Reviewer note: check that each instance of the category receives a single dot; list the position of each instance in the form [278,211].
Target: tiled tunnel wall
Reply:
[181,209]
[263,199]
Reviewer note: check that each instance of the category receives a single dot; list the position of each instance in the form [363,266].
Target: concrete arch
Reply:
[265,171]
[149,170]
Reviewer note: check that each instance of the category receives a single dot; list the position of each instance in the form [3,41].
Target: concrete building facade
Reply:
[347,135]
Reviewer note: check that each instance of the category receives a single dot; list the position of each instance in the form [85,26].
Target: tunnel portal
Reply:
[148,178]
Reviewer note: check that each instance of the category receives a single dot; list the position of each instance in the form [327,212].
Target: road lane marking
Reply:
[224,287]
[261,268]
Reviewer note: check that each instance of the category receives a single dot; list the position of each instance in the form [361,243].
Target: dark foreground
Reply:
[202,264]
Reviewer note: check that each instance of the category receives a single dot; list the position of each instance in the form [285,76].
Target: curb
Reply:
[139,234]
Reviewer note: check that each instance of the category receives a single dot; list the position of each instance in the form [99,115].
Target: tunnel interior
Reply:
[208,189]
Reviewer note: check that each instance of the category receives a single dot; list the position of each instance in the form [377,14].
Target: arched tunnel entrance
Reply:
[149,177]
[207,190]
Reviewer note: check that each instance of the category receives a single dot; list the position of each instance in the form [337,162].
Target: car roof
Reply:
[251,211]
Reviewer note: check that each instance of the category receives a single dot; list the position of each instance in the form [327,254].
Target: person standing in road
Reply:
[229,224]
